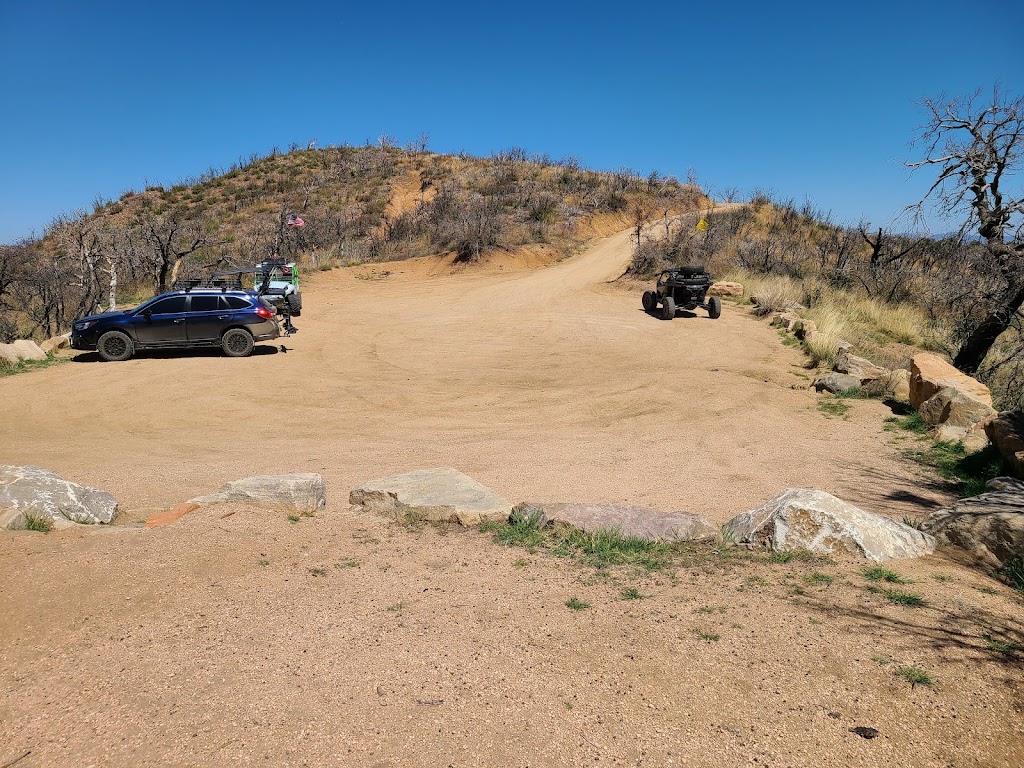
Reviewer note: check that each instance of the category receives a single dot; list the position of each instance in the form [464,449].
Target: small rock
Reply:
[860,367]
[836,383]
[865,731]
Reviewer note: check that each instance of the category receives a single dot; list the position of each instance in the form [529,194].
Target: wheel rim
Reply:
[115,346]
[237,342]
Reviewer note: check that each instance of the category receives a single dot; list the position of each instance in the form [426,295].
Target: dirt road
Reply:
[543,384]
[238,636]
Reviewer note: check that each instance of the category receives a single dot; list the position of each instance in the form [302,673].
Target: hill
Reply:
[358,204]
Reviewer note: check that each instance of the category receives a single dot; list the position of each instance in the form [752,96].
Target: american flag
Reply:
[295,221]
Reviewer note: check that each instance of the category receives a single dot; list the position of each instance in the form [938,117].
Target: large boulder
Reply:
[722,288]
[1006,431]
[990,526]
[9,355]
[438,495]
[897,385]
[302,491]
[28,350]
[38,492]
[954,408]
[929,373]
[624,519]
[55,343]
[818,522]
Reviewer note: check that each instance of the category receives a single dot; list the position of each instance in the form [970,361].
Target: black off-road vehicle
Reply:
[682,288]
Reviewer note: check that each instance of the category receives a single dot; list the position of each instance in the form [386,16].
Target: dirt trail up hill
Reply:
[240,636]
[543,384]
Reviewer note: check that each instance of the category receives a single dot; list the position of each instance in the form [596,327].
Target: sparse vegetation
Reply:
[831,405]
[878,573]
[817,577]
[900,597]
[968,472]
[293,518]
[708,637]
[317,571]
[1013,572]
[37,522]
[632,593]
[915,676]
[576,604]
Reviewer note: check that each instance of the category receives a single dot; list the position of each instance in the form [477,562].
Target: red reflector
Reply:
[264,312]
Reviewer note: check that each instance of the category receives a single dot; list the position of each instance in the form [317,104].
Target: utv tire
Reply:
[650,301]
[668,311]
[294,305]
[237,342]
[714,307]
[115,346]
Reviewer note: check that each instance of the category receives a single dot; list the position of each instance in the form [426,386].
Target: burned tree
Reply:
[976,147]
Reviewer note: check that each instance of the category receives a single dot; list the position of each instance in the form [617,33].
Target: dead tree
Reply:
[976,147]
[168,241]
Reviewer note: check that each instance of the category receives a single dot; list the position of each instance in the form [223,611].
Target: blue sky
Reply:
[812,100]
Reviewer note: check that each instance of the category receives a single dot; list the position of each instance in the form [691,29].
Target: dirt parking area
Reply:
[239,636]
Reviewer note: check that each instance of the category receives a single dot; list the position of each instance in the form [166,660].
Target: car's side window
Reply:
[168,306]
[205,303]
[235,302]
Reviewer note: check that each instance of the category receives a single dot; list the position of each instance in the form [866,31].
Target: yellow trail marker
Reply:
[702,225]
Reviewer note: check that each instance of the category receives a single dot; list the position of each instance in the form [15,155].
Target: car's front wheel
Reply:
[115,346]
[668,309]
[237,342]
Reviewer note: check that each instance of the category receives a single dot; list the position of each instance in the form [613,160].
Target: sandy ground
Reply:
[547,384]
[238,637]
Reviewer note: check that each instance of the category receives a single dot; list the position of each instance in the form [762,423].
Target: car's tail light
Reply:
[264,312]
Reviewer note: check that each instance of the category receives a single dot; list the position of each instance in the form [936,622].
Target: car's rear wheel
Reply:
[294,305]
[115,346]
[714,307]
[668,311]
[650,301]
[237,342]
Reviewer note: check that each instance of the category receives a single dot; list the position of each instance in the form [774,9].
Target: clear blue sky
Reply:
[811,99]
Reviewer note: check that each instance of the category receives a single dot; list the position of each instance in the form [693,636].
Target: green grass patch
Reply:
[576,604]
[1001,646]
[915,676]
[968,473]
[708,637]
[293,518]
[39,523]
[816,577]
[883,660]
[1013,572]
[830,405]
[900,597]
[878,573]
[396,608]
[317,571]
[911,422]
[797,555]
[631,593]
[26,366]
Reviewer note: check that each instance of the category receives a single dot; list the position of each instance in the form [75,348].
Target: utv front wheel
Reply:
[237,343]
[115,346]
[714,307]
[668,311]
[650,301]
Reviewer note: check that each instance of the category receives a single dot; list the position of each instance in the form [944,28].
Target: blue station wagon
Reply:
[231,320]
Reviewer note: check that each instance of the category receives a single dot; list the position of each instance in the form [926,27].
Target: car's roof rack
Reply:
[217,283]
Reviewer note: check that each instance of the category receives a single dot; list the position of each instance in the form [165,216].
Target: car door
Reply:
[207,314]
[162,323]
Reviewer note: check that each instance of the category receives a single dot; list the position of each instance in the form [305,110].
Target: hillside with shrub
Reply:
[890,294]
[358,204]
